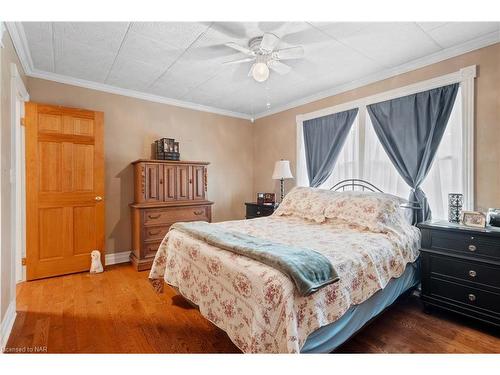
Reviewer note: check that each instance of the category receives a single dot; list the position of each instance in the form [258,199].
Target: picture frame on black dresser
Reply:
[473,219]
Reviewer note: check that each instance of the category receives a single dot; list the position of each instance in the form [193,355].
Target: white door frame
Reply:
[2,28]
[19,95]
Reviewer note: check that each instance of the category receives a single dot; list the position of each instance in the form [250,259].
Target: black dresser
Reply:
[259,210]
[461,269]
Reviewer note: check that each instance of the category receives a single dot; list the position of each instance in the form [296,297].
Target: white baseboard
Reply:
[116,258]
[7,324]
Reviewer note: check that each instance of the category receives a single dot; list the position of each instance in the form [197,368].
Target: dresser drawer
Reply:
[155,233]
[149,249]
[172,215]
[473,244]
[465,295]
[473,272]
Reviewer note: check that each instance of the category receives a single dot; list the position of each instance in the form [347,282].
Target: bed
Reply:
[365,237]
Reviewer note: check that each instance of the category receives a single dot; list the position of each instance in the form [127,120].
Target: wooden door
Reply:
[199,182]
[154,182]
[183,182]
[64,189]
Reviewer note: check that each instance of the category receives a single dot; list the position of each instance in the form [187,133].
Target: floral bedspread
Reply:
[257,305]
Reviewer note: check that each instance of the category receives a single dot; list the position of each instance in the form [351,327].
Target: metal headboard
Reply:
[353,184]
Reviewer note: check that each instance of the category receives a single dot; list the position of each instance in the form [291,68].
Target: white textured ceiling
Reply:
[183,60]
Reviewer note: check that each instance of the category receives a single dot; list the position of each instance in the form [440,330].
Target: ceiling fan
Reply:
[262,50]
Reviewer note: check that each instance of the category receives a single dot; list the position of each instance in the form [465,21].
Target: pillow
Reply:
[307,203]
[373,211]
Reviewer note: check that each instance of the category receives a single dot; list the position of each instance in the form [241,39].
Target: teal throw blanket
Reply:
[308,269]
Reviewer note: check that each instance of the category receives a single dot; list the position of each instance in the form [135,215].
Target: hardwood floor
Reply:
[118,312]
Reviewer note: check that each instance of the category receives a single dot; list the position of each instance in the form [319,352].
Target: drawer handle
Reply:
[472,273]
[154,216]
[258,212]
[151,233]
[199,212]
[472,297]
[472,247]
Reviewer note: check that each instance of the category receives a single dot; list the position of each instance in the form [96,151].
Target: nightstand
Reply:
[254,209]
[461,269]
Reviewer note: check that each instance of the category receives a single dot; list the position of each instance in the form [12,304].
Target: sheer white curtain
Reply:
[446,173]
[347,164]
[378,168]
[364,157]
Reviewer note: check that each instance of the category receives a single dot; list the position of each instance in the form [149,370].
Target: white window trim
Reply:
[465,77]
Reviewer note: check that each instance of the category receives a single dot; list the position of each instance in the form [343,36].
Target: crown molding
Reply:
[133,94]
[19,40]
[474,44]
[16,31]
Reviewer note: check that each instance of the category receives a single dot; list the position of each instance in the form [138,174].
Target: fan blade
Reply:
[239,61]
[279,67]
[251,70]
[269,42]
[290,53]
[237,47]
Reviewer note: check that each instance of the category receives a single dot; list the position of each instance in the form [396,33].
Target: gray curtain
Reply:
[324,137]
[410,130]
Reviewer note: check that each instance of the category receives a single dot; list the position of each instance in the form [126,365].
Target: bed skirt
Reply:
[327,338]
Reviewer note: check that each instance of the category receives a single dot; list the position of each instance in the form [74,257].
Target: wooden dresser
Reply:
[165,192]
[461,269]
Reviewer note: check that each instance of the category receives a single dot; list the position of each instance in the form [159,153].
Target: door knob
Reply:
[98,198]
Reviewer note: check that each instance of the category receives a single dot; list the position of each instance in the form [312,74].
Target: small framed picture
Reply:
[473,219]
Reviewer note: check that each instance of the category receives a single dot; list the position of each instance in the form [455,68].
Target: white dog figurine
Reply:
[96,265]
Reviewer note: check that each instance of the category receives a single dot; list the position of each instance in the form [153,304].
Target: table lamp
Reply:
[282,172]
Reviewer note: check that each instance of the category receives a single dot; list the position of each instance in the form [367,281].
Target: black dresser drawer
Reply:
[461,269]
[487,302]
[471,244]
[254,210]
[470,272]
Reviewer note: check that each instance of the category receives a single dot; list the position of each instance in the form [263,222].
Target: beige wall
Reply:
[239,167]
[8,56]
[131,125]
[275,135]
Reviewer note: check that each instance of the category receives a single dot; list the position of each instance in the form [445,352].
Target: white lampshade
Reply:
[282,170]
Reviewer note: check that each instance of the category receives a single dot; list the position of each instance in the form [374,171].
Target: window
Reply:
[364,157]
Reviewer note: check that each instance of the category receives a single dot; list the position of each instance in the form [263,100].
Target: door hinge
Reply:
[22,121]
[23,261]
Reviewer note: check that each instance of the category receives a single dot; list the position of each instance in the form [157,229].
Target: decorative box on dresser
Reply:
[165,192]
[461,269]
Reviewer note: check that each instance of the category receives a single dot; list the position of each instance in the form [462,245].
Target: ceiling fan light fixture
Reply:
[260,72]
